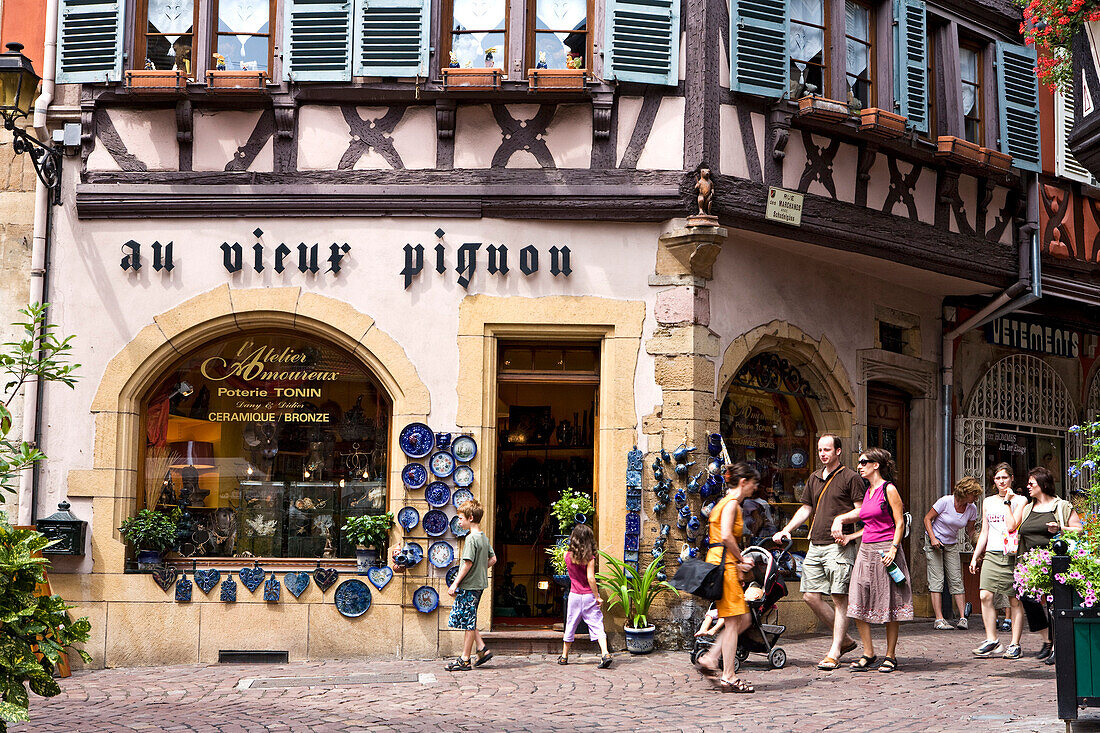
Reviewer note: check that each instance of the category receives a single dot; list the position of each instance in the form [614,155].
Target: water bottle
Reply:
[893,570]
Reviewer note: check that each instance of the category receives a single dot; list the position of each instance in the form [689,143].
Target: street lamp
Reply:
[18,89]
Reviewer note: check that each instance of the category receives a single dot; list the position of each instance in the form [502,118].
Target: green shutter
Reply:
[643,41]
[317,40]
[759,57]
[89,41]
[1018,104]
[391,37]
[911,62]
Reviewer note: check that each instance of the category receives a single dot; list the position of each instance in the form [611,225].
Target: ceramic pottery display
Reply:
[183,590]
[352,598]
[456,528]
[272,588]
[416,440]
[414,476]
[451,575]
[207,579]
[441,554]
[634,460]
[165,576]
[415,552]
[325,577]
[229,590]
[435,523]
[437,494]
[380,577]
[442,441]
[464,448]
[633,523]
[296,583]
[442,464]
[463,476]
[408,518]
[425,599]
[460,496]
[251,577]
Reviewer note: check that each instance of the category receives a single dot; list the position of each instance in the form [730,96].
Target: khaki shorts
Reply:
[997,573]
[828,568]
[943,561]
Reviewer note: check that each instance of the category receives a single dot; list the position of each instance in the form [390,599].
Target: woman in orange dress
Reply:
[725,526]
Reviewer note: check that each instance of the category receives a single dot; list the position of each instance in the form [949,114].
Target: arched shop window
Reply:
[766,420]
[268,441]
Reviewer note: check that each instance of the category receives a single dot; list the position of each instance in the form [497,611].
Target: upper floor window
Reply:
[970,68]
[478,34]
[166,34]
[809,50]
[858,34]
[243,35]
[557,36]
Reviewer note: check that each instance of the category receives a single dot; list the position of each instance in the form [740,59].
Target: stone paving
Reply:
[940,687]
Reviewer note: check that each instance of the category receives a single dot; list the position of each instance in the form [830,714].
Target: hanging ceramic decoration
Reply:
[435,523]
[325,577]
[207,579]
[425,599]
[460,496]
[437,494]
[296,583]
[798,459]
[408,518]
[441,554]
[415,552]
[463,448]
[165,576]
[352,598]
[229,590]
[380,577]
[416,440]
[272,589]
[463,476]
[456,528]
[251,577]
[183,590]
[442,464]
[415,476]
[451,575]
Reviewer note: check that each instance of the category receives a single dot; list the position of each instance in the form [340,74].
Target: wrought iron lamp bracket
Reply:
[45,158]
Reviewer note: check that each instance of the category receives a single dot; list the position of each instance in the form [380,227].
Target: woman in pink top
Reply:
[584,599]
[873,597]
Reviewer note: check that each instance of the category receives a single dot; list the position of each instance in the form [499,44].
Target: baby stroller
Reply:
[764,587]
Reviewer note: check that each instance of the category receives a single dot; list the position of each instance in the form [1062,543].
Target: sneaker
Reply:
[1013,652]
[989,648]
[962,623]
[1044,651]
[941,625]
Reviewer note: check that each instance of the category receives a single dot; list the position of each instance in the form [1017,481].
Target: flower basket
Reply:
[472,79]
[996,160]
[145,81]
[236,81]
[958,150]
[823,108]
[557,79]
[878,123]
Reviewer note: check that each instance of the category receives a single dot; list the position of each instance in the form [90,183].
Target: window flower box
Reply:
[557,79]
[236,81]
[156,82]
[996,160]
[958,150]
[879,123]
[823,108]
[472,79]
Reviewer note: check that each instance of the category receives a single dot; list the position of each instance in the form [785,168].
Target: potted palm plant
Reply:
[634,592]
[369,533]
[152,533]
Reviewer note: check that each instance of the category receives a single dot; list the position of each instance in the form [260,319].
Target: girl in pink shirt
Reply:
[584,599]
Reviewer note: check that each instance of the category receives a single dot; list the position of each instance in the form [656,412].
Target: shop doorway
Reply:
[888,428]
[547,414]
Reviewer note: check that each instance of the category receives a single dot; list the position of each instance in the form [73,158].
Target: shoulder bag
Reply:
[700,578]
[907,518]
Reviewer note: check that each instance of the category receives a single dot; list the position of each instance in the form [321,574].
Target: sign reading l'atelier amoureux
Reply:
[307,258]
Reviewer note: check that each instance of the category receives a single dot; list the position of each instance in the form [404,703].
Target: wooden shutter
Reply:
[1065,164]
[317,40]
[759,57]
[911,62]
[89,41]
[391,37]
[1018,104]
[643,41]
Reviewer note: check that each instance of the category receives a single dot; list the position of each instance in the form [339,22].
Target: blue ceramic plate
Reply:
[463,476]
[408,518]
[464,448]
[456,529]
[437,494]
[460,496]
[417,440]
[451,575]
[798,459]
[442,463]
[425,599]
[352,598]
[435,523]
[414,475]
[417,551]
[441,554]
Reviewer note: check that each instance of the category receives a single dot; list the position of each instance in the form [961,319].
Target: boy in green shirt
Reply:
[471,580]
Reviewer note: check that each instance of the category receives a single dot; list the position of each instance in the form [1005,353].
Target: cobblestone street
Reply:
[940,687]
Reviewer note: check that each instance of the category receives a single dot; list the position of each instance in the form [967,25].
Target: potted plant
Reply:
[879,123]
[369,533]
[557,562]
[823,108]
[958,150]
[152,533]
[572,508]
[634,591]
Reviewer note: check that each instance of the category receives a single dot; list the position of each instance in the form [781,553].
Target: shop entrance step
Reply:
[530,641]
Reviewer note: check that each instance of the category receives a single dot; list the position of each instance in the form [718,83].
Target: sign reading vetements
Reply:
[784,206]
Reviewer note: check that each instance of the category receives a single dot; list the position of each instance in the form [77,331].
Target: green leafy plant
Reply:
[369,530]
[557,556]
[1050,26]
[631,590]
[566,509]
[152,530]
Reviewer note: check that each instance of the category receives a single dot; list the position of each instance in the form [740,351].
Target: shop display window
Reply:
[268,441]
[1024,449]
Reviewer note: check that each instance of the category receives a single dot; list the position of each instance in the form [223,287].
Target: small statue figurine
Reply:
[219,62]
[149,66]
[704,189]
[574,61]
[489,57]
[453,64]
[542,61]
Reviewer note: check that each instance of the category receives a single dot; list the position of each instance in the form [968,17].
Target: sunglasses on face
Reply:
[865,461]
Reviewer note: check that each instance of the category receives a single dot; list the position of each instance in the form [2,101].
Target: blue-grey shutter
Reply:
[89,41]
[391,37]
[317,40]
[1018,104]
[759,56]
[911,62]
[643,41]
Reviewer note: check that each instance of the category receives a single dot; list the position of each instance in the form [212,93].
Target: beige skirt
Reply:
[872,596]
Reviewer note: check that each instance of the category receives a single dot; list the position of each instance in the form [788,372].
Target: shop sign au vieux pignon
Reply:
[499,259]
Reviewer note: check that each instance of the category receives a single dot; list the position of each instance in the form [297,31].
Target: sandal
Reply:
[849,647]
[563,660]
[889,664]
[483,656]
[459,665]
[605,661]
[738,686]
[705,670]
[864,663]
[828,664]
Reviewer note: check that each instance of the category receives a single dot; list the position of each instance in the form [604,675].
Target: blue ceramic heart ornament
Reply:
[325,577]
[251,577]
[296,583]
[207,579]
[380,577]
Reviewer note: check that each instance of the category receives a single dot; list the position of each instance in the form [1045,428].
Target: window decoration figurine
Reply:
[542,61]
[149,66]
[489,63]
[453,64]
[574,60]
[219,62]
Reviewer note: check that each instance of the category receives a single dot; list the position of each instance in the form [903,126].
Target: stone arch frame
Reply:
[111,484]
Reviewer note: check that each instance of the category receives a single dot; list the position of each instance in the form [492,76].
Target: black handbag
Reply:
[700,578]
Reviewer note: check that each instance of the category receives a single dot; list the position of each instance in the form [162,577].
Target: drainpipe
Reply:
[1027,289]
[33,392]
